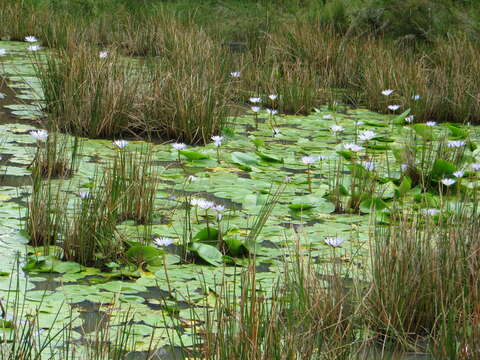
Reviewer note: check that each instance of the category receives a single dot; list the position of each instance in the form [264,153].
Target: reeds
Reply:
[425,280]
[88,95]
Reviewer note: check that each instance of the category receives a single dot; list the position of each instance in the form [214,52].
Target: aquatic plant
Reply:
[56,154]
[43,220]
[422,269]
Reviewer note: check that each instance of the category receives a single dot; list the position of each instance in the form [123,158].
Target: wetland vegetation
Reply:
[239,179]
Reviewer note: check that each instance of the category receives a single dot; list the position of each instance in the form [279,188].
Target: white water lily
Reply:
[179,146]
[448,182]
[235,74]
[3,52]
[431,123]
[430,212]
[255,109]
[353,147]
[273,96]
[3,96]
[369,165]
[40,135]
[162,241]
[337,128]
[476,166]
[219,210]
[31,39]
[409,119]
[255,100]
[458,174]
[366,135]
[393,107]
[456,143]
[416,97]
[34,48]
[272,111]
[103,54]
[120,143]
[192,178]
[307,160]
[387,92]
[327,117]
[217,140]
[205,204]
[84,194]
[334,241]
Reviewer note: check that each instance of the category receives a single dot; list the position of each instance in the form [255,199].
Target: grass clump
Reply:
[88,95]
[304,305]
[43,218]
[425,280]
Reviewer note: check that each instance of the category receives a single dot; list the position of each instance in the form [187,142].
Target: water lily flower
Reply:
[369,165]
[192,178]
[34,48]
[431,123]
[476,166]
[387,92]
[3,52]
[235,74]
[219,210]
[327,117]
[272,111]
[448,182]
[255,100]
[366,135]
[84,194]
[353,147]
[336,128]
[120,143]
[162,241]
[103,54]
[31,39]
[217,140]
[334,241]
[179,146]
[416,97]
[409,119]
[3,96]
[430,212]
[394,107]
[205,204]
[255,109]
[458,174]
[273,96]
[456,143]
[39,135]
[307,160]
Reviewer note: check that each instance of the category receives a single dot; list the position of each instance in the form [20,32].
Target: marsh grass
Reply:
[87,95]
[305,305]
[131,184]
[425,280]
[89,235]
[190,88]
[44,218]
[56,157]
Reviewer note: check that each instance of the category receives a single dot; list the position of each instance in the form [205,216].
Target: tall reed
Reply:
[423,267]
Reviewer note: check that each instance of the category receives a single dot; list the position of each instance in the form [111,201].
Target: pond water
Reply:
[241,180]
